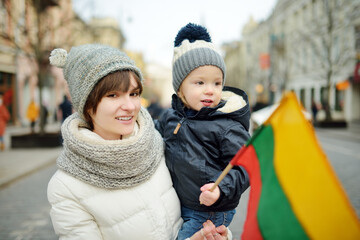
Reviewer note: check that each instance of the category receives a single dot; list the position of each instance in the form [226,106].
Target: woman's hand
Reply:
[222,231]
[210,232]
[208,197]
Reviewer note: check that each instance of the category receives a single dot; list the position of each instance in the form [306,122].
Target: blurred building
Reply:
[235,75]
[29,30]
[106,31]
[243,59]
[138,59]
[158,84]
[309,47]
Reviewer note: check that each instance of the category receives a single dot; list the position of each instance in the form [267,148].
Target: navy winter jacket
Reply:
[204,145]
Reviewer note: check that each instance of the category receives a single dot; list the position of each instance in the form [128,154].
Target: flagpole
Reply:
[229,167]
[221,177]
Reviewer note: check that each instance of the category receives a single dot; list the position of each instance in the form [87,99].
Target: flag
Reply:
[294,193]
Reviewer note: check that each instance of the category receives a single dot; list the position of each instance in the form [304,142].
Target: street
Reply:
[343,151]
[24,208]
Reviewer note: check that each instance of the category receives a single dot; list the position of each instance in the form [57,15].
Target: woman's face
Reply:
[117,112]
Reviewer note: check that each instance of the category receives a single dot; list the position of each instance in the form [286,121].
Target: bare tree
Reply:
[280,62]
[35,37]
[326,36]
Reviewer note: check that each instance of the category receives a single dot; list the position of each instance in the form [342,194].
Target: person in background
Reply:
[203,130]
[4,118]
[260,103]
[112,181]
[32,114]
[314,110]
[154,108]
[65,108]
[44,113]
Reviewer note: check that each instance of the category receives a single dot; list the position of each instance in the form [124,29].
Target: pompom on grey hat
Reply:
[85,65]
[193,49]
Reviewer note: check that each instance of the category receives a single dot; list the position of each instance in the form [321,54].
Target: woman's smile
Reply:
[124,118]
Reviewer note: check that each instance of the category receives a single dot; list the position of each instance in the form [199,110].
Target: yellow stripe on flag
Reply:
[307,179]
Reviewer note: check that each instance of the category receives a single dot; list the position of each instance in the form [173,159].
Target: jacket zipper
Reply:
[178,126]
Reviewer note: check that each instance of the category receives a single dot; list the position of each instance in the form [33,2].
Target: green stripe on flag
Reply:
[275,216]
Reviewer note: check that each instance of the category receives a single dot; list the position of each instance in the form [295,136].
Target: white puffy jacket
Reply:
[82,211]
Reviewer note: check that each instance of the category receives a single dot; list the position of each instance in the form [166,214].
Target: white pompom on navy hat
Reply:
[85,65]
[193,49]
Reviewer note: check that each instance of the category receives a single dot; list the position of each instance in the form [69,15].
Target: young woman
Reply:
[112,181]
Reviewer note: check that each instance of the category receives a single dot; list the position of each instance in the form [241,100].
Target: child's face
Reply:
[117,112]
[202,87]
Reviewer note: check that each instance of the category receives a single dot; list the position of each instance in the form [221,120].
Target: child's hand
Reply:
[209,198]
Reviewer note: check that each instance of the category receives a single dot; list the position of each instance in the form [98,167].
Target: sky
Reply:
[150,26]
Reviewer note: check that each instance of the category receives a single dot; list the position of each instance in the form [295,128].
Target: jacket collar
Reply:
[234,104]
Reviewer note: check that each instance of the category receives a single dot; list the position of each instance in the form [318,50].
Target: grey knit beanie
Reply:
[85,65]
[193,49]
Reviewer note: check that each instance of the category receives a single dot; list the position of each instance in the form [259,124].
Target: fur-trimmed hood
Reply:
[233,103]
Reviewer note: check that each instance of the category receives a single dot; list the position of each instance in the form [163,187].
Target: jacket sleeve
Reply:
[237,180]
[69,218]
[158,126]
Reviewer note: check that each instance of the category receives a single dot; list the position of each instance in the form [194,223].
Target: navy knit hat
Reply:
[193,49]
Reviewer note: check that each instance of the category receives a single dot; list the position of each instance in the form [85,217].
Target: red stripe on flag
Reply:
[250,162]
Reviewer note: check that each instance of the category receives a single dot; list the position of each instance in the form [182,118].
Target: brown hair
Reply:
[116,81]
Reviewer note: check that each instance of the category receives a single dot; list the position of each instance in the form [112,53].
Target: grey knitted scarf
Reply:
[111,163]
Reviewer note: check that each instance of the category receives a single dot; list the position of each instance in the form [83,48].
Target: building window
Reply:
[305,15]
[339,100]
[338,3]
[248,48]
[6,89]
[4,16]
[323,96]
[336,48]
[312,94]
[305,59]
[313,58]
[313,9]
[302,96]
[357,38]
